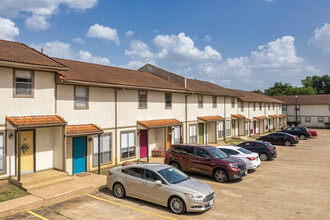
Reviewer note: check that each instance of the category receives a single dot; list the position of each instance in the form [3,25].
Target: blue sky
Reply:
[242,44]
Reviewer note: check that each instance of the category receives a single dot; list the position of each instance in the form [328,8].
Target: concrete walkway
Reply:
[81,185]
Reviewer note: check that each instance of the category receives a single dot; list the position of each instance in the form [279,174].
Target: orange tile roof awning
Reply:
[33,121]
[247,120]
[86,129]
[273,116]
[159,123]
[282,115]
[259,117]
[211,118]
[238,116]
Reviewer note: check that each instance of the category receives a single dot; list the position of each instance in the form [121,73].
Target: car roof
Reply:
[229,147]
[151,166]
[193,145]
[259,142]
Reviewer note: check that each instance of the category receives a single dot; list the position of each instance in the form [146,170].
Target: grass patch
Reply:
[60,214]
[9,191]
[235,141]
[103,172]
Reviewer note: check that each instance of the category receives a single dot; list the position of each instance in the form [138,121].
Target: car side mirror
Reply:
[158,183]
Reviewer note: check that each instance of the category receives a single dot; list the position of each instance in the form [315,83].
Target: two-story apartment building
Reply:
[309,110]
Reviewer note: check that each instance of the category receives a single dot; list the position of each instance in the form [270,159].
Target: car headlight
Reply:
[234,165]
[193,196]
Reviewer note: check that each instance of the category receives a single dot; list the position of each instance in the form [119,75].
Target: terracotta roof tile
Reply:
[238,116]
[273,116]
[36,120]
[211,118]
[254,97]
[20,53]
[282,115]
[85,129]
[247,120]
[259,117]
[159,123]
[305,99]
[207,87]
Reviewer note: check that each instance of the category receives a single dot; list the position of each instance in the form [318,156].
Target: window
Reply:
[273,106]
[220,129]
[81,97]
[143,98]
[192,134]
[242,106]
[228,128]
[23,83]
[268,106]
[152,176]
[177,135]
[201,153]
[105,148]
[188,151]
[200,101]
[232,102]
[214,99]
[320,120]
[2,154]
[284,108]
[307,119]
[168,100]
[136,172]
[260,106]
[246,128]
[127,144]
[254,106]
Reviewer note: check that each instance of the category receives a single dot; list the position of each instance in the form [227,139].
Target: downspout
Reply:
[116,132]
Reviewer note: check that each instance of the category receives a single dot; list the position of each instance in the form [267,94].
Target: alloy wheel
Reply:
[302,137]
[287,143]
[263,157]
[221,176]
[119,190]
[177,206]
[176,165]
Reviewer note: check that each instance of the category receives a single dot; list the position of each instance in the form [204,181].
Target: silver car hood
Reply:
[195,186]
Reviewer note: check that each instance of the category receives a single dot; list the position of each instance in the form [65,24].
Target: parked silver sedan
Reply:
[161,184]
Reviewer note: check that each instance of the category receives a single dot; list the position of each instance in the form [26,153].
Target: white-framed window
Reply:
[81,96]
[254,106]
[177,134]
[251,128]
[143,99]
[220,129]
[228,128]
[105,148]
[23,83]
[260,106]
[320,120]
[273,106]
[284,108]
[242,106]
[192,134]
[200,101]
[233,102]
[246,128]
[214,101]
[127,144]
[307,119]
[268,106]
[168,100]
[2,153]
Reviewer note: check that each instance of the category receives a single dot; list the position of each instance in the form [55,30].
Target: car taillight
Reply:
[294,137]
[251,158]
[271,149]
[307,132]
[109,173]
[166,155]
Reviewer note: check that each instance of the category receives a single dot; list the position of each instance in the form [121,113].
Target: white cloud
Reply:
[40,11]
[101,32]
[78,40]
[134,64]
[321,38]
[207,38]
[139,50]
[129,34]
[8,30]
[63,50]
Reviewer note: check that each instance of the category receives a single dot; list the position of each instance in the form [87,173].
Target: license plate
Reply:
[211,202]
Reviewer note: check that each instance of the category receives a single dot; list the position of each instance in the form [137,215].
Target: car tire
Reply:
[119,190]
[302,137]
[176,205]
[221,175]
[175,165]
[263,157]
[287,143]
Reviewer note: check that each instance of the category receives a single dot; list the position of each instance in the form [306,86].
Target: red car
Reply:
[313,133]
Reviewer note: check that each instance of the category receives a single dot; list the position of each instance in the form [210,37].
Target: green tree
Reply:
[279,89]
[321,84]
[257,91]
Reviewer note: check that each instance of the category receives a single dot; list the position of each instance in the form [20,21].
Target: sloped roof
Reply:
[20,53]
[86,129]
[211,118]
[36,120]
[238,116]
[254,97]
[204,86]
[95,73]
[305,99]
[159,123]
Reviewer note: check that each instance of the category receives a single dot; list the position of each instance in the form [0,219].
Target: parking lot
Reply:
[295,185]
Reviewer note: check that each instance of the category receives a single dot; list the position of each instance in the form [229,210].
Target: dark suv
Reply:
[265,150]
[205,160]
[301,132]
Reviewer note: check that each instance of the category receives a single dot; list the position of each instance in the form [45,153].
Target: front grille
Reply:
[209,197]
[242,166]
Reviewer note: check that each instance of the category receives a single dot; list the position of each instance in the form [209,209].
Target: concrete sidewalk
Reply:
[81,185]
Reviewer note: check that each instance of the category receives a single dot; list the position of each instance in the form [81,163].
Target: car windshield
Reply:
[244,151]
[173,175]
[216,153]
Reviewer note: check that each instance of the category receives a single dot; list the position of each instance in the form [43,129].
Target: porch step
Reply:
[42,184]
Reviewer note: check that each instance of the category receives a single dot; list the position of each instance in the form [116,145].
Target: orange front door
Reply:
[27,151]
[168,140]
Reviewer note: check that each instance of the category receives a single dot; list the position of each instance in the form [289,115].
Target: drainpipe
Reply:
[19,156]
[116,132]
[99,154]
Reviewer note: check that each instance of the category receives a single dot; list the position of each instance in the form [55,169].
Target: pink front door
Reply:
[143,144]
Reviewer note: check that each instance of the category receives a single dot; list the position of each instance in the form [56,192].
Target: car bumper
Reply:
[193,205]
[238,174]
[253,164]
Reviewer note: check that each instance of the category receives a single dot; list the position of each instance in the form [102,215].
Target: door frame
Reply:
[147,134]
[73,153]
[34,149]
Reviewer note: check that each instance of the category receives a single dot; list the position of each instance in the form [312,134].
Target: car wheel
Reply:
[119,190]
[287,143]
[302,137]
[221,175]
[177,205]
[175,165]
[263,157]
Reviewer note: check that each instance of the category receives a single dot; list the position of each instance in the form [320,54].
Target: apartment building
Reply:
[308,110]
[77,117]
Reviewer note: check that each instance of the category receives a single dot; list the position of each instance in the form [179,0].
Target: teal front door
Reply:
[79,155]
